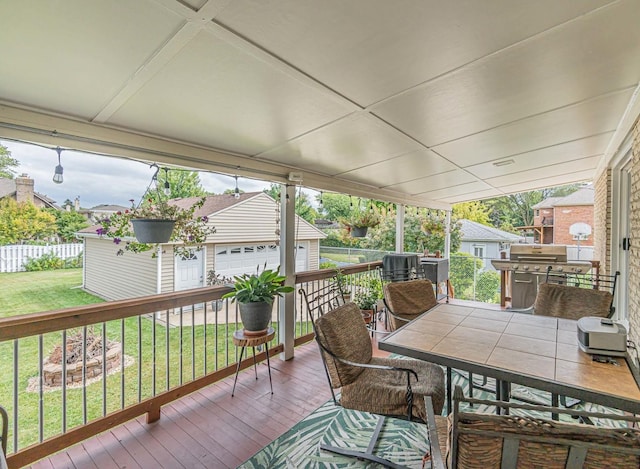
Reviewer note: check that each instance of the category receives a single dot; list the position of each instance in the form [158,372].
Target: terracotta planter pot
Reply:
[152,231]
[367,315]
[256,317]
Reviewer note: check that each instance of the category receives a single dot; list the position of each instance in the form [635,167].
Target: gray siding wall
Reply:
[254,221]
[115,277]
[491,251]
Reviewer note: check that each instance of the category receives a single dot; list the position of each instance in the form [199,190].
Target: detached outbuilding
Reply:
[245,239]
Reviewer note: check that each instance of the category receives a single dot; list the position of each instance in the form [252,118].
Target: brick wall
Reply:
[565,216]
[602,221]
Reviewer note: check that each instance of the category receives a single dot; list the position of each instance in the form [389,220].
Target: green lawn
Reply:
[33,292]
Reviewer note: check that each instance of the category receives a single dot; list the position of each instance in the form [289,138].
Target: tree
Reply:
[474,211]
[304,209]
[182,184]
[21,222]
[424,229]
[68,223]
[462,272]
[488,286]
[6,163]
[336,206]
[517,209]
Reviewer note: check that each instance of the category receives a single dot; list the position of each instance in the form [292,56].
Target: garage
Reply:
[233,260]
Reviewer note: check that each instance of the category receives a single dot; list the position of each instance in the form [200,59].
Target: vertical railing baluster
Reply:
[193,342]
[16,367]
[215,335]
[167,328]
[104,369]
[63,407]
[153,356]
[140,355]
[180,361]
[84,375]
[122,387]
[40,391]
[204,335]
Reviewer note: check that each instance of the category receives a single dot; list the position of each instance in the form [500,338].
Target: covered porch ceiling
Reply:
[420,102]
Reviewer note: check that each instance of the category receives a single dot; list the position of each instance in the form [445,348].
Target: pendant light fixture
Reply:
[236,191]
[57,175]
[167,186]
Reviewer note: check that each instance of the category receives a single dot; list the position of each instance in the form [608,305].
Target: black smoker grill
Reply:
[527,262]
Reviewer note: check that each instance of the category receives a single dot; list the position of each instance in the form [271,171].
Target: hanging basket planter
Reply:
[153,231]
[359,231]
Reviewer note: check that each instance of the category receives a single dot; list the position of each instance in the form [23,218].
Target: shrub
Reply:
[47,261]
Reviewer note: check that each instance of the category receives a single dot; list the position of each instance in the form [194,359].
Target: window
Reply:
[478,251]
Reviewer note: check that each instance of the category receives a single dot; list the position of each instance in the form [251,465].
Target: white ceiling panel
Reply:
[544,157]
[583,120]
[437,181]
[402,168]
[462,189]
[378,48]
[550,180]
[480,195]
[532,77]
[43,41]
[407,101]
[569,167]
[222,97]
[355,142]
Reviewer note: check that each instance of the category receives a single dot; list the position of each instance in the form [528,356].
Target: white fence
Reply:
[13,257]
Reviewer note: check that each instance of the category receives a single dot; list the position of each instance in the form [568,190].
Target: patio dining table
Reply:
[536,351]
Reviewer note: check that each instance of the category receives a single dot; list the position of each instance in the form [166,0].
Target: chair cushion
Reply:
[345,334]
[385,392]
[409,299]
[568,302]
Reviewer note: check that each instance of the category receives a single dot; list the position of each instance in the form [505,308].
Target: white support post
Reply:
[399,228]
[447,235]
[286,312]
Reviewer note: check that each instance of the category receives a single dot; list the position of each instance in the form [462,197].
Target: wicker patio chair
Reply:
[383,386]
[481,440]
[405,301]
[4,420]
[576,296]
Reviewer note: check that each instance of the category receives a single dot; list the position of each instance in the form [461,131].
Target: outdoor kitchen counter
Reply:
[537,351]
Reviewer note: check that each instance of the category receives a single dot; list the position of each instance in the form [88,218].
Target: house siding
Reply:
[252,221]
[115,277]
[261,213]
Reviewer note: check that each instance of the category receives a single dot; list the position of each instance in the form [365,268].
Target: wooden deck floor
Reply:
[209,428]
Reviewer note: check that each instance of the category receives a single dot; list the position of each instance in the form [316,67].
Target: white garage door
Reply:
[245,259]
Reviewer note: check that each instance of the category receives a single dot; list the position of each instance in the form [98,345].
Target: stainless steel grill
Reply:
[527,262]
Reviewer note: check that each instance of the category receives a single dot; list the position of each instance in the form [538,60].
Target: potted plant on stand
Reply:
[255,294]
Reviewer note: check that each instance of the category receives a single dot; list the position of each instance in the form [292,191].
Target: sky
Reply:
[101,179]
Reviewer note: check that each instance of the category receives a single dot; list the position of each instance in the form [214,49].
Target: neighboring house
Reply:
[21,190]
[245,239]
[485,242]
[97,213]
[553,217]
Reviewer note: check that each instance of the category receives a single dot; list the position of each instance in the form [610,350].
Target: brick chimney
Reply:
[24,188]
